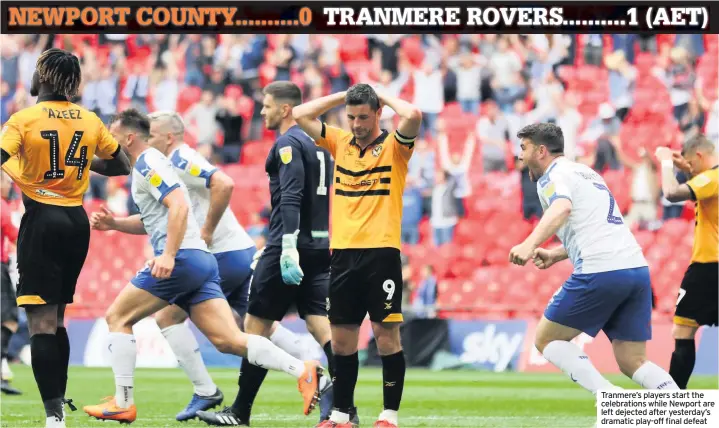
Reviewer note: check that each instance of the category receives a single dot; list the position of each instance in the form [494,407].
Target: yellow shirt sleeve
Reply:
[405,145]
[705,185]
[12,135]
[330,137]
[107,147]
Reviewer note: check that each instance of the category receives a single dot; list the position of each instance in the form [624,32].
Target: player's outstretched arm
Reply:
[410,116]
[221,187]
[119,165]
[132,225]
[306,114]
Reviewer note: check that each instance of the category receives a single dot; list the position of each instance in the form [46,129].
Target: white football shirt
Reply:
[594,235]
[153,178]
[195,171]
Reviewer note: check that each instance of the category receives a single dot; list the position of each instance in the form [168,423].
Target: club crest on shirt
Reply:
[377,150]
[194,170]
[286,155]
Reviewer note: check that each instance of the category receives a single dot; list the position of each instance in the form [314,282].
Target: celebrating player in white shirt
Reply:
[183,272]
[610,289]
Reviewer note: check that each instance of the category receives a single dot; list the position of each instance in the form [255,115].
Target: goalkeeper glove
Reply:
[290,260]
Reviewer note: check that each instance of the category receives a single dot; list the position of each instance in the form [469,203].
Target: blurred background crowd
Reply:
[468,200]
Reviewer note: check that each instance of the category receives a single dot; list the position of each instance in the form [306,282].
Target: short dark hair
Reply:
[696,143]
[544,134]
[362,93]
[286,91]
[133,119]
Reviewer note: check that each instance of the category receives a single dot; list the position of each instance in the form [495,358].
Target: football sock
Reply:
[651,376]
[393,370]
[251,378]
[572,361]
[346,368]
[45,362]
[63,345]
[261,352]
[187,350]
[288,341]
[5,335]
[123,353]
[330,357]
[683,359]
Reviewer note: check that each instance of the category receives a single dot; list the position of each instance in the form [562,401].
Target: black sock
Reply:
[393,369]
[346,369]
[63,344]
[5,340]
[45,364]
[251,378]
[330,358]
[683,359]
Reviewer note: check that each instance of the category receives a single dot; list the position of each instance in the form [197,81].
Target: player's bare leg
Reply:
[393,371]
[183,343]
[130,307]
[632,360]
[685,353]
[553,341]
[345,339]
[214,318]
[46,360]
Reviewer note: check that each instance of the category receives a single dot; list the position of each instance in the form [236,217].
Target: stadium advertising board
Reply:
[488,345]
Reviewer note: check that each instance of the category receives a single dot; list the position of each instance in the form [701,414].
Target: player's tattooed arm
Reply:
[306,114]
[118,165]
[673,191]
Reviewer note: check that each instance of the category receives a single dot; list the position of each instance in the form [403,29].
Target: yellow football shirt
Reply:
[705,189]
[52,144]
[369,183]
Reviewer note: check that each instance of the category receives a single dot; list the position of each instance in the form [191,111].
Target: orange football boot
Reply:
[309,385]
[329,424]
[384,424]
[108,411]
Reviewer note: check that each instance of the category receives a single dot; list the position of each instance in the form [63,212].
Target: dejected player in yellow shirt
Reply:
[47,149]
[697,302]
[366,270]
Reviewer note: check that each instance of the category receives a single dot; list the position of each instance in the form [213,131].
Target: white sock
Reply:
[262,353]
[572,361]
[339,417]
[187,351]
[288,341]
[123,353]
[651,376]
[389,416]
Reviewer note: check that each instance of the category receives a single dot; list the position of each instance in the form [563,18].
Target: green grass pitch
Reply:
[431,399]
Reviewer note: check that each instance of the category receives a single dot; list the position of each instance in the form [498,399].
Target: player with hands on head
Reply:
[366,274]
[610,288]
[183,272]
[697,302]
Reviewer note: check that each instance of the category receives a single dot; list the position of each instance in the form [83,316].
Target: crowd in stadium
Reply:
[616,98]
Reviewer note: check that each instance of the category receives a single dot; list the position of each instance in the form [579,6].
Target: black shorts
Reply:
[271,298]
[51,250]
[9,306]
[698,295]
[366,281]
